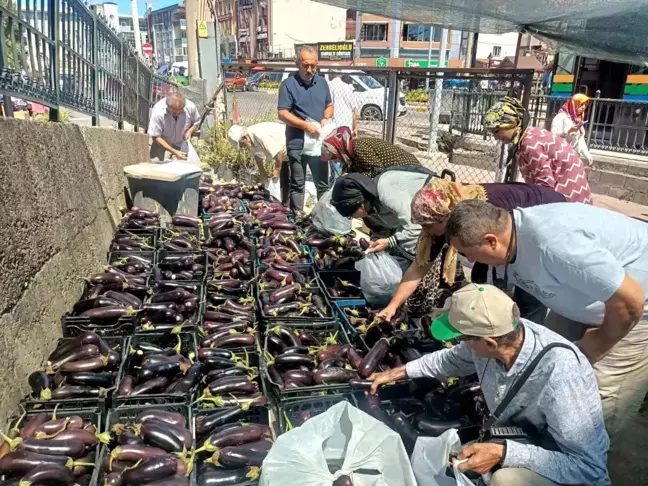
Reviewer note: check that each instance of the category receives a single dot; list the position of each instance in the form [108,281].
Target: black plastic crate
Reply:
[100,403]
[328,278]
[320,331]
[165,340]
[166,258]
[74,325]
[93,416]
[126,414]
[149,255]
[214,287]
[150,236]
[290,414]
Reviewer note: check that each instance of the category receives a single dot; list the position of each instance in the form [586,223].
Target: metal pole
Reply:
[473,54]
[137,111]
[429,64]
[191,13]
[358,35]
[136,30]
[55,62]
[435,109]
[120,123]
[95,73]
[517,49]
[392,105]
[592,117]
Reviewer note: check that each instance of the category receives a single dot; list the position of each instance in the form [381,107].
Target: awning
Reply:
[605,29]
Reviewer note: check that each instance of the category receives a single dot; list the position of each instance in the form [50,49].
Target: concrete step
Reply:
[621,185]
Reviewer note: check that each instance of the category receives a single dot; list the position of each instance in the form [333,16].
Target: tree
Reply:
[10,35]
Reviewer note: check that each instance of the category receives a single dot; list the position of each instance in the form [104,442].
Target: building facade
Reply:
[167,31]
[126,30]
[226,16]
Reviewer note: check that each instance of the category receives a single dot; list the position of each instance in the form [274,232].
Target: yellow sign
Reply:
[202,29]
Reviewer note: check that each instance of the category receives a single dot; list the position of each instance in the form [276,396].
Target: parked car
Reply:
[254,80]
[371,93]
[234,81]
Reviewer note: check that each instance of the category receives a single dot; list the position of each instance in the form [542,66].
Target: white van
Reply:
[371,93]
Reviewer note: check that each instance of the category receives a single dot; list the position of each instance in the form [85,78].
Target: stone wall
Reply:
[622,179]
[61,189]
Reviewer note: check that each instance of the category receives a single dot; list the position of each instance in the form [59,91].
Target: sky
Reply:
[125,5]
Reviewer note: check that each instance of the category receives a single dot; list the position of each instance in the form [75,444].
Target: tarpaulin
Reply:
[606,29]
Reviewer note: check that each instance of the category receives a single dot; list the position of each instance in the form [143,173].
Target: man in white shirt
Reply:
[345,101]
[173,120]
[267,141]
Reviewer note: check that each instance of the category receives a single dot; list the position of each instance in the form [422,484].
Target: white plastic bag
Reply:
[380,275]
[341,435]
[192,155]
[430,460]
[273,186]
[313,144]
[326,218]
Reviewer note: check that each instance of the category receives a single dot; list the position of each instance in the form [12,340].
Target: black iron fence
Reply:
[439,126]
[60,53]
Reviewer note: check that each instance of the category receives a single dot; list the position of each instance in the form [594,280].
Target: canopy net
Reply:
[615,30]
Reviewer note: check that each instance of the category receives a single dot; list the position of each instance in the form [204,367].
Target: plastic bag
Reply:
[326,218]
[380,275]
[273,186]
[192,155]
[313,144]
[430,460]
[341,435]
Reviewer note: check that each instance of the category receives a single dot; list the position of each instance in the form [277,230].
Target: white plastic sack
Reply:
[380,275]
[430,460]
[192,155]
[273,186]
[313,144]
[326,218]
[341,435]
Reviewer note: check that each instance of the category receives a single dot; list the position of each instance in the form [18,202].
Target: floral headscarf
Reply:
[573,108]
[438,199]
[508,113]
[339,146]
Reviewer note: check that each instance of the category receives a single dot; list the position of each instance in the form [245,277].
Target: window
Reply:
[497,51]
[416,32]
[374,32]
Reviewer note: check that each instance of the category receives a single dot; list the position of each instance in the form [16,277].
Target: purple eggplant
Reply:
[205,424]
[47,475]
[301,377]
[22,461]
[232,385]
[238,456]
[293,360]
[172,418]
[333,375]
[166,436]
[155,468]
[41,385]
[151,386]
[54,447]
[135,453]
[235,436]
[228,477]
[373,358]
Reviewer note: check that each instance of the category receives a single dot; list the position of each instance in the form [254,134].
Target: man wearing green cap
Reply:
[558,405]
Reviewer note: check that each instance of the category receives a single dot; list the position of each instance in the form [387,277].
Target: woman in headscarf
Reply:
[424,285]
[568,124]
[384,204]
[367,155]
[542,157]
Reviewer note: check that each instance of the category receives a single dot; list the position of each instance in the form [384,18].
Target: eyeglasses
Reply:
[309,66]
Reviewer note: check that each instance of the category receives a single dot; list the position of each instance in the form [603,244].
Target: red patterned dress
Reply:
[548,160]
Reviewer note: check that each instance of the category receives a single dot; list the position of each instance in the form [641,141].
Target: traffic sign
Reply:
[203,33]
[381,62]
[147,49]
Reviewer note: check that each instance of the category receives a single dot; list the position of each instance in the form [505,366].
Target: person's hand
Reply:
[381,378]
[180,155]
[594,345]
[324,122]
[574,129]
[276,172]
[375,246]
[312,130]
[355,133]
[482,456]
[387,313]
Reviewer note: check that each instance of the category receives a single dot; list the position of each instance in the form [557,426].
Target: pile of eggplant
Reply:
[363,319]
[218,203]
[181,266]
[131,241]
[137,264]
[174,306]
[224,221]
[297,359]
[230,377]
[187,225]
[269,217]
[290,252]
[341,284]
[255,192]
[338,252]
[294,300]
[229,323]
[151,449]
[48,450]
[207,187]
[81,367]
[139,219]
[174,240]
[231,254]
[153,367]
[233,444]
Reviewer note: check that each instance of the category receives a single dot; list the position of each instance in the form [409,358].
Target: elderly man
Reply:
[173,120]
[589,266]
[558,405]
[267,141]
[304,96]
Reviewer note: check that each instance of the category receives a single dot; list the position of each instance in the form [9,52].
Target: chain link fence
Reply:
[60,53]
[441,126]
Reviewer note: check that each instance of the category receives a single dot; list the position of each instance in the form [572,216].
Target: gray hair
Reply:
[309,49]
[175,98]
[472,219]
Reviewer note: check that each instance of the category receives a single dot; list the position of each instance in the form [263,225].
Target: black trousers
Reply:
[319,169]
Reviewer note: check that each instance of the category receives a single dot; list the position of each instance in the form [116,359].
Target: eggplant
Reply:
[105,313]
[155,468]
[174,481]
[41,385]
[205,424]
[183,220]
[172,418]
[218,374]
[113,479]
[373,358]
[128,437]
[75,391]
[21,461]
[54,447]
[295,350]
[126,385]
[135,453]
[125,298]
[286,335]
[161,434]
[301,377]
[234,436]
[333,375]
[33,424]
[293,360]
[408,433]
[434,428]
[235,386]
[238,456]
[152,386]
[87,437]
[89,364]
[235,340]
[227,477]
[47,475]
[84,351]
[103,379]
[360,384]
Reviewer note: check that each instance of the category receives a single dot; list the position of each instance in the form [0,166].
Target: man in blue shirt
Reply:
[304,96]
[590,267]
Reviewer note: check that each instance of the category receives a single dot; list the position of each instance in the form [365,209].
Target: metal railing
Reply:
[442,131]
[59,53]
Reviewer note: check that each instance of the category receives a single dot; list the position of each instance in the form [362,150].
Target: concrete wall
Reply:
[61,189]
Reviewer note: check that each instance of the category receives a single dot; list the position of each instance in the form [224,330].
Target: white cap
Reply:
[476,310]
[236,133]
